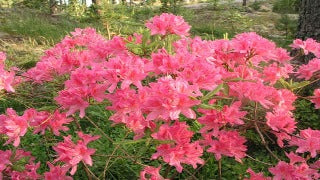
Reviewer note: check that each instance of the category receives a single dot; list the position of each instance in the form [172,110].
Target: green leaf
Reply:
[212,93]
[226,89]
[298,85]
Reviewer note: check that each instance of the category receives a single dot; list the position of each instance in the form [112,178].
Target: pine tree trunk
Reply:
[309,20]
[244,3]
[308,27]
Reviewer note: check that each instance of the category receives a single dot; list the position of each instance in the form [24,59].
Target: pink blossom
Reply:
[57,173]
[43,120]
[307,46]
[283,170]
[73,100]
[4,160]
[306,71]
[281,121]
[249,90]
[280,137]
[163,63]
[167,98]
[127,106]
[181,150]
[202,73]
[253,47]
[214,119]
[57,122]
[178,132]
[188,153]
[257,176]
[14,126]
[228,143]
[295,158]
[126,68]
[309,142]
[71,153]
[30,172]
[152,172]
[7,78]
[316,98]
[168,24]
[2,58]
[274,72]
[283,100]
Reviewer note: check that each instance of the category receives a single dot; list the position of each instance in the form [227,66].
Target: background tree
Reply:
[308,27]
[309,20]
[244,3]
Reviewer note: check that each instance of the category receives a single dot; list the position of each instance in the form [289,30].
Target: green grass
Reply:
[39,26]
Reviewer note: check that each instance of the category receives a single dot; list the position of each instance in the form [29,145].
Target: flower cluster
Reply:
[168,24]
[7,78]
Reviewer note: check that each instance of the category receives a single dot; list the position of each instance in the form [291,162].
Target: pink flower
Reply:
[43,120]
[167,98]
[202,73]
[228,143]
[316,98]
[249,90]
[295,158]
[7,78]
[71,153]
[281,121]
[274,72]
[283,100]
[126,68]
[13,126]
[280,137]
[127,106]
[58,121]
[168,24]
[73,100]
[306,71]
[256,176]
[4,160]
[283,170]
[214,119]
[178,132]
[181,150]
[307,46]
[152,172]
[309,142]
[163,63]
[188,153]
[253,47]
[57,173]
[30,172]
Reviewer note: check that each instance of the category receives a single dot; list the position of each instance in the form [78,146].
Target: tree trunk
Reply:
[308,27]
[309,20]
[244,3]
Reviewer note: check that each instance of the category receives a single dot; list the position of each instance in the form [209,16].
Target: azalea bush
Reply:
[186,99]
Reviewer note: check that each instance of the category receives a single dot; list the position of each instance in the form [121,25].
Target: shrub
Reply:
[185,101]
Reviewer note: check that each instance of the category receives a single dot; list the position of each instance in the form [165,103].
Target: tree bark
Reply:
[244,3]
[309,20]
[308,27]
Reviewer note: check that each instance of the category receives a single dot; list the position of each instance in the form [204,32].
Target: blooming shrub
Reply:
[160,86]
